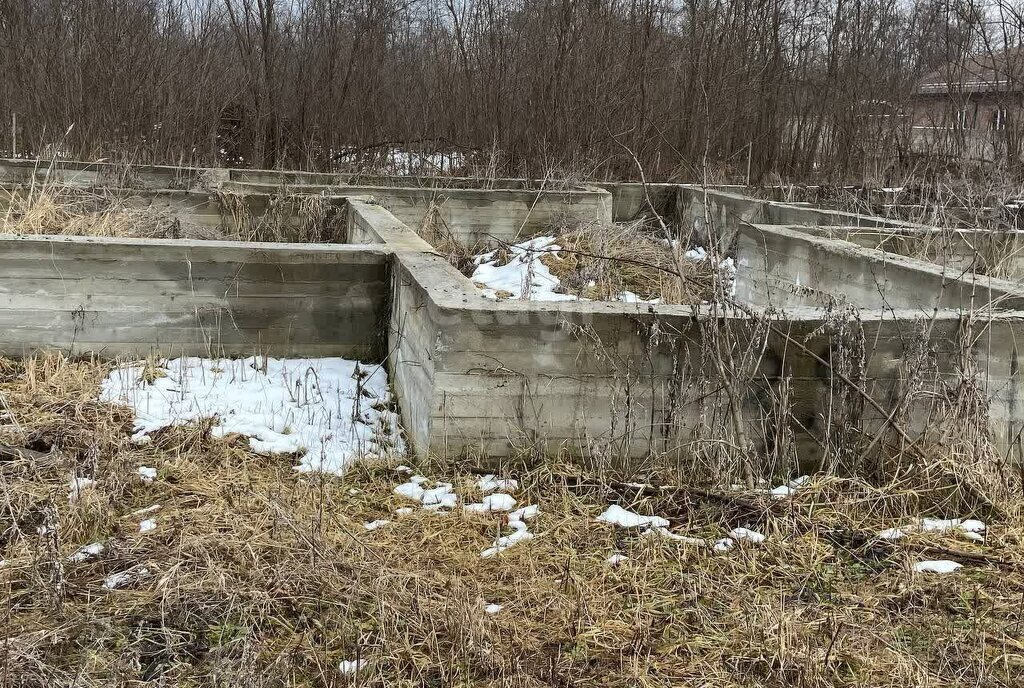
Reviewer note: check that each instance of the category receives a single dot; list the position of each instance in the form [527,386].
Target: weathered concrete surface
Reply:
[784,267]
[137,296]
[712,216]
[604,380]
[475,217]
[249,217]
[1000,254]
[78,173]
[609,381]
[372,224]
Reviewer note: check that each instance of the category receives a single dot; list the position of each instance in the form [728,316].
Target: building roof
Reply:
[982,73]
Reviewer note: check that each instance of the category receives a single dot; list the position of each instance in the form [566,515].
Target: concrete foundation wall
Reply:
[473,216]
[211,215]
[784,268]
[712,215]
[125,296]
[1000,254]
[606,381]
[601,382]
[76,173]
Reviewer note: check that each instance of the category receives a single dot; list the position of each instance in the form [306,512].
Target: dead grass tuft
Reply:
[600,261]
[68,210]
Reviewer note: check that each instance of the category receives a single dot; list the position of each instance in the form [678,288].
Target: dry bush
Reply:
[600,261]
[435,231]
[596,261]
[56,209]
[283,217]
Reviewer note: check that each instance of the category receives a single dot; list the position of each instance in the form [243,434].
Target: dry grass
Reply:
[282,217]
[600,261]
[53,209]
[262,576]
[65,210]
[597,261]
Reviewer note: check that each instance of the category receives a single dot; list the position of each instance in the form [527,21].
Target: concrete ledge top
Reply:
[913,231]
[342,189]
[874,255]
[347,249]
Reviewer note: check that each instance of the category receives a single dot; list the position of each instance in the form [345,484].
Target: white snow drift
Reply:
[327,410]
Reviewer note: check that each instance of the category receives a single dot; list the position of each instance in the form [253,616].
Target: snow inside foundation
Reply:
[327,410]
[526,277]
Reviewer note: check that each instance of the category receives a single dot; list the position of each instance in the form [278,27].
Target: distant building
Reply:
[971,108]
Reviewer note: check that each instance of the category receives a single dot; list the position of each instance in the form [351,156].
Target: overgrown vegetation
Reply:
[50,208]
[254,574]
[593,261]
[803,89]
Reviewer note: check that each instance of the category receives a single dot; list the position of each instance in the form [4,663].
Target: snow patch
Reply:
[87,552]
[685,539]
[351,666]
[967,527]
[147,525]
[491,483]
[122,578]
[526,277]
[746,535]
[438,497]
[147,474]
[494,502]
[327,410]
[937,566]
[624,518]
[790,488]
[525,513]
[723,545]
[78,486]
[520,534]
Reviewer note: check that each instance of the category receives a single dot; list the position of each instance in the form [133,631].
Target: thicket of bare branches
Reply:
[765,87]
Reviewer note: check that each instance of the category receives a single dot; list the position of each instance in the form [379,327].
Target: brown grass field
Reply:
[256,575]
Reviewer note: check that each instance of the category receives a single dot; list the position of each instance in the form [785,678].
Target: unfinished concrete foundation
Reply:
[838,320]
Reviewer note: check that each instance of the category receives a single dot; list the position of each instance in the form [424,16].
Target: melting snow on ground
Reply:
[494,502]
[351,666]
[327,410]
[87,552]
[78,487]
[443,497]
[490,483]
[969,528]
[658,526]
[122,578]
[625,518]
[526,277]
[938,566]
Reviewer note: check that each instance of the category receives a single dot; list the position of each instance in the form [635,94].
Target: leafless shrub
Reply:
[736,90]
